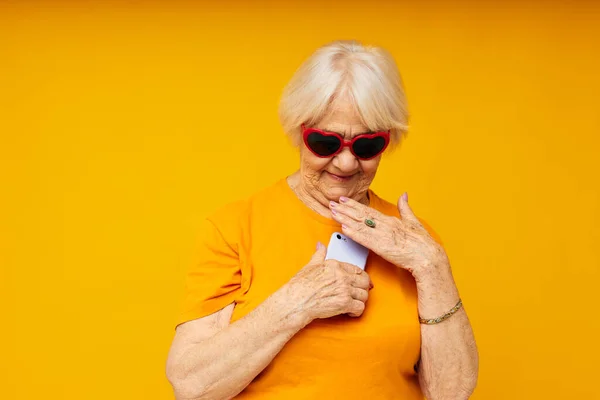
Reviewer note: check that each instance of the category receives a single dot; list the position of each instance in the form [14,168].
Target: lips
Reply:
[340,177]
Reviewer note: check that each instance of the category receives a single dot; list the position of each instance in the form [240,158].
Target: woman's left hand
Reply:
[402,241]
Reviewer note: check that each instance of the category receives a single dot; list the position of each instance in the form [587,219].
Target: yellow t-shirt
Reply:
[250,249]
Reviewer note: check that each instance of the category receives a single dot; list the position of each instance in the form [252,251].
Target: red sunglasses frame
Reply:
[345,143]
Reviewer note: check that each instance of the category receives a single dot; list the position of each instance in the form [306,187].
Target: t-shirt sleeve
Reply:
[214,280]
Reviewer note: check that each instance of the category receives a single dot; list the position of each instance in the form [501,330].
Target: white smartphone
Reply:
[344,249]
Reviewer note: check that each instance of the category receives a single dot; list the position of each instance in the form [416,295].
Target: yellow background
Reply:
[123,125]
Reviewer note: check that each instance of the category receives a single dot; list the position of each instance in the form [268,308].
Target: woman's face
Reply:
[343,174]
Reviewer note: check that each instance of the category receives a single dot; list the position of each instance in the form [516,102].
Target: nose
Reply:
[345,161]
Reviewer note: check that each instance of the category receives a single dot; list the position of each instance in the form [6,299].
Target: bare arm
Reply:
[449,359]
[204,361]
[213,359]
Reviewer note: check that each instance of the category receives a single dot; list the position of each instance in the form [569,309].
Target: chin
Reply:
[334,192]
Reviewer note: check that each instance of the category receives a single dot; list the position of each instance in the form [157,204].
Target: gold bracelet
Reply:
[443,317]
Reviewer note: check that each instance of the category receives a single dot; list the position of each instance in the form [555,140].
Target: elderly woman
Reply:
[265,316]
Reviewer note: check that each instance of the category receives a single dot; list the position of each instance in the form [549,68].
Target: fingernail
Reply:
[343,199]
[319,245]
[332,203]
[344,226]
[405,197]
[334,212]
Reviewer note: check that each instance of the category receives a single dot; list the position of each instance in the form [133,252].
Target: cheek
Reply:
[312,163]
[370,167]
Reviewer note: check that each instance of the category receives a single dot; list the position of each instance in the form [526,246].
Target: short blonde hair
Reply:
[368,75]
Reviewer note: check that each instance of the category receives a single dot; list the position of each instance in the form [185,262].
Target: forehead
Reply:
[342,118]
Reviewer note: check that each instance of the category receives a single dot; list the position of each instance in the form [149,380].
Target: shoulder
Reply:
[233,216]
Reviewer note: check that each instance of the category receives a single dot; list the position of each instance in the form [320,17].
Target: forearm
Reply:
[221,366]
[449,359]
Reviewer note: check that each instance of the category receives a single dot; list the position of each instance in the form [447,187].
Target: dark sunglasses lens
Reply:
[323,145]
[368,148]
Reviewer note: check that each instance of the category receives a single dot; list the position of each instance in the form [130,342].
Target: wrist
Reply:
[437,270]
[291,307]
[436,290]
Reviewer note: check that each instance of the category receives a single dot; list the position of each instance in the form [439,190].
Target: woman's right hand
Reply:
[325,288]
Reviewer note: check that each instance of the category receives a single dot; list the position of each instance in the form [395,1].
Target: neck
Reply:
[313,198]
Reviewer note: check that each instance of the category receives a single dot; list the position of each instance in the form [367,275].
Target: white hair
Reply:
[367,75]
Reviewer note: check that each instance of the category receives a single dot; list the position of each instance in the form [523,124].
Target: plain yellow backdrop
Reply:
[123,125]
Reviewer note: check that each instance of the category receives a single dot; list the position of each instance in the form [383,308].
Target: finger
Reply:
[356,308]
[362,234]
[357,213]
[319,255]
[342,218]
[368,235]
[351,268]
[356,276]
[361,282]
[359,294]
[354,209]
[406,212]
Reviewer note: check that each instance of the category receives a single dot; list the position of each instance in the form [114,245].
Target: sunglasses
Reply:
[328,144]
